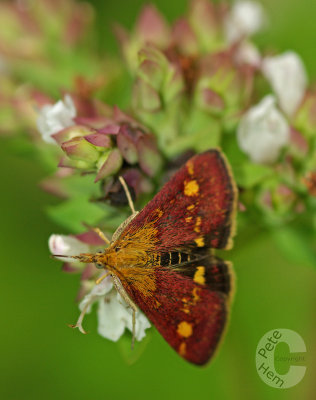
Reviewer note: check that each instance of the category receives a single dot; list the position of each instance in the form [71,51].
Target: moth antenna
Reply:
[128,194]
[61,255]
[86,258]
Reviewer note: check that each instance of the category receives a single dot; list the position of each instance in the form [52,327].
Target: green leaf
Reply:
[203,130]
[80,185]
[293,245]
[73,214]
[248,175]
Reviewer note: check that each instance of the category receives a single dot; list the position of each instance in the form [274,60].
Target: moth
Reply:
[162,259]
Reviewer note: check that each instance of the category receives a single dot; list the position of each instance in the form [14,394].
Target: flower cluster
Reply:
[98,138]
[193,77]
[202,82]
[208,60]
[198,83]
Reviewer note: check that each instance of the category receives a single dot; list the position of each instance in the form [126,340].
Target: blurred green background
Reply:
[42,358]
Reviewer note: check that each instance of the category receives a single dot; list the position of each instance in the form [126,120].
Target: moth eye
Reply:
[99,266]
[117,249]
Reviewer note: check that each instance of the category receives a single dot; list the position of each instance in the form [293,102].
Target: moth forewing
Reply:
[123,225]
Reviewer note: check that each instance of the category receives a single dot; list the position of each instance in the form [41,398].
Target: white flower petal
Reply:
[66,245]
[245,19]
[54,118]
[114,317]
[263,131]
[104,287]
[98,292]
[142,324]
[287,75]
[247,53]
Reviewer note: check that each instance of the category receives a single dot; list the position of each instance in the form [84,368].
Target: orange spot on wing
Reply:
[198,224]
[188,219]
[190,167]
[182,349]
[184,300]
[199,275]
[185,329]
[185,308]
[157,214]
[189,208]
[157,304]
[191,188]
[195,295]
[199,242]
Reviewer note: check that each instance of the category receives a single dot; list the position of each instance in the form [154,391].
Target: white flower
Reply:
[54,118]
[245,19]
[287,76]
[67,246]
[247,53]
[263,131]
[113,313]
[114,317]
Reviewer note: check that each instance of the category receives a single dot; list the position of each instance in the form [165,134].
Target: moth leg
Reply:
[99,280]
[78,324]
[133,326]
[102,235]
[124,224]
[128,194]
[119,287]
